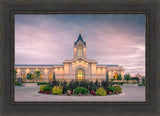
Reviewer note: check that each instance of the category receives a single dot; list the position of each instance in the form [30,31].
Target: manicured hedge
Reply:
[47,88]
[81,90]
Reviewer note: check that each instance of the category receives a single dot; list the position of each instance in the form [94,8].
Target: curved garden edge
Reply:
[80,88]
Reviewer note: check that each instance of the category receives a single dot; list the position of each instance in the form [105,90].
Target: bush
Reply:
[119,77]
[18,84]
[57,90]
[112,89]
[91,86]
[105,84]
[144,84]
[101,91]
[84,83]
[47,88]
[42,88]
[135,78]
[81,90]
[96,85]
[65,88]
[118,88]
[74,85]
[42,83]
[68,86]
[119,83]
[127,77]
[112,79]
[54,83]
[29,76]
[134,82]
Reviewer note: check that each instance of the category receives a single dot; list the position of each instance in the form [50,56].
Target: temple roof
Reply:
[38,64]
[80,39]
[112,65]
[58,65]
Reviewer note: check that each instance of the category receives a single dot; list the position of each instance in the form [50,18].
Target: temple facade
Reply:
[80,67]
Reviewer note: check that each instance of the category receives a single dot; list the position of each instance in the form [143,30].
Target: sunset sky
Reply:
[111,39]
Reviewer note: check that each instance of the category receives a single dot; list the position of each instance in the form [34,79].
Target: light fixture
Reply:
[27,70]
[46,70]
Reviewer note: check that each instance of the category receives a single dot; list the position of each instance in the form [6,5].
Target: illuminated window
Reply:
[41,77]
[23,77]
[50,76]
[80,74]
[46,70]
[80,51]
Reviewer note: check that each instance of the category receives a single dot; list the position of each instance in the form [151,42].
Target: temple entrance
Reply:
[23,77]
[80,74]
[115,76]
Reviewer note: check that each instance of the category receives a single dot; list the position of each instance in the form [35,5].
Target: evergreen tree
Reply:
[107,78]
[54,77]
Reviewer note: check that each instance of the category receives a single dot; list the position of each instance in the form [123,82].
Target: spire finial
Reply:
[80,31]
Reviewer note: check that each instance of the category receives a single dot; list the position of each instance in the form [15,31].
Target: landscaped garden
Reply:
[80,88]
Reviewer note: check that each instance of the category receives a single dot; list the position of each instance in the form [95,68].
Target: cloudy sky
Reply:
[111,39]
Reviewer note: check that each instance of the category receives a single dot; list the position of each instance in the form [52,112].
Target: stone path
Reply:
[130,94]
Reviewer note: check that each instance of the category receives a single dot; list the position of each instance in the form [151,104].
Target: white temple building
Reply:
[80,67]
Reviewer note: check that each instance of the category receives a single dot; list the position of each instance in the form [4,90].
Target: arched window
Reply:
[50,76]
[115,75]
[41,77]
[80,50]
[23,76]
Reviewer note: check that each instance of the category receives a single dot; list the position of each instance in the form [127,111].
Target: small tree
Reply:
[107,78]
[119,77]
[37,75]
[29,76]
[54,77]
[127,77]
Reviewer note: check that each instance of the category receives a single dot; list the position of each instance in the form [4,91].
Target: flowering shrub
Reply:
[93,93]
[69,92]
[118,88]
[47,92]
[41,88]
[80,94]
[101,91]
[57,90]
[81,90]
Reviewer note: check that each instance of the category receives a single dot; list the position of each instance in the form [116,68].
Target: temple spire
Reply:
[80,39]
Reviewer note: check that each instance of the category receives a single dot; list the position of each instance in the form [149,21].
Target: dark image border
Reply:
[95,13]
[9,8]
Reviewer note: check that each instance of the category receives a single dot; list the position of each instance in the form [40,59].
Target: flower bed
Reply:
[80,89]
